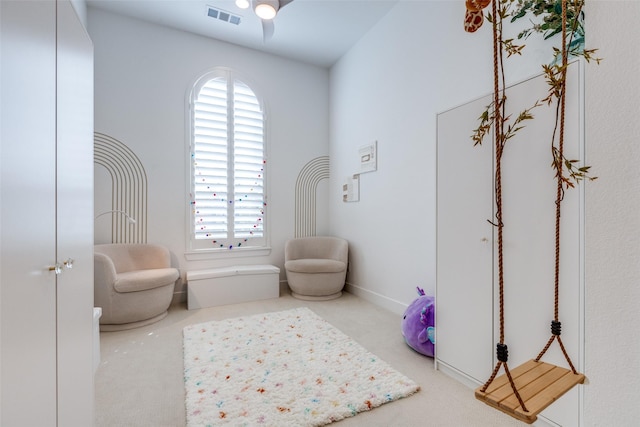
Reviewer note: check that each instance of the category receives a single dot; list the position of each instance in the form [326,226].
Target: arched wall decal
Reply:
[128,188]
[306,188]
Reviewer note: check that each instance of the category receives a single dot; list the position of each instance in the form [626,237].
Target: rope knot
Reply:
[502,352]
[556,327]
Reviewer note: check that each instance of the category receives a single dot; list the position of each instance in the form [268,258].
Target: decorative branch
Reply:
[550,13]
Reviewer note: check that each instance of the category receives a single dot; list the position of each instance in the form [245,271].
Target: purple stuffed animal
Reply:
[418,324]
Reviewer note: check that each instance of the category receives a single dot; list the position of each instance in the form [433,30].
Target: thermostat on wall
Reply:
[368,157]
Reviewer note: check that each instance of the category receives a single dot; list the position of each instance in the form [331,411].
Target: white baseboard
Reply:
[179,298]
[457,375]
[367,295]
[375,298]
[284,287]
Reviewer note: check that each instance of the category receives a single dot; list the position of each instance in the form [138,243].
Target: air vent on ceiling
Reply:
[223,15]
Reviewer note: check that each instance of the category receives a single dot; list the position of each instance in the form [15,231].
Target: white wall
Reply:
[143,73]
[613,216]
[417,62]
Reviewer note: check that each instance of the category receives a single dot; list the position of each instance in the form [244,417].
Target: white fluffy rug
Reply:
[288,368]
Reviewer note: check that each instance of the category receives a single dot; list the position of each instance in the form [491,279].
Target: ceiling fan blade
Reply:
[283,3]
[267,29]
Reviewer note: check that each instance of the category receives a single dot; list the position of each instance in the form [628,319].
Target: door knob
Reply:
[68,263]
[57,268]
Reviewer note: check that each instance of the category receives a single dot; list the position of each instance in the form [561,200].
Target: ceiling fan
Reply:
[266,11]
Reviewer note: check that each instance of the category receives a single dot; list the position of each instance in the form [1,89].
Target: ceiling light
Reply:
[266,9]
[242,4]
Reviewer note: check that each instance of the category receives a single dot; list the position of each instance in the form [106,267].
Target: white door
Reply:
[467,271]
[46,198]
[464,271]
[28,336]
[74,219]
[529,194]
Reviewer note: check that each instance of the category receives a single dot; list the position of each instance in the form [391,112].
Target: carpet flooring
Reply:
[140,380]
[284,368]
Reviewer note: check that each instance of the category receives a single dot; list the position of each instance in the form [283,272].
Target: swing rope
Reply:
[499,105]
[556,325]
[499,112]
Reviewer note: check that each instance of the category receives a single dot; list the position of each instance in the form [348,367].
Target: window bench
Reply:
[232,285]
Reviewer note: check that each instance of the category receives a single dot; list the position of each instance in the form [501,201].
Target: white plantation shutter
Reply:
[210,159]
[248,163]
[228,161]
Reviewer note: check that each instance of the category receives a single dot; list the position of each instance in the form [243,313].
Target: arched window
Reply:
[228,198]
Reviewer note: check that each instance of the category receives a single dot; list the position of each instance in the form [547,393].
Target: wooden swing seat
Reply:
[539,385]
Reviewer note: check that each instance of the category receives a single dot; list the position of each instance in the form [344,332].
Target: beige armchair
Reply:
[133,284]
[316,267]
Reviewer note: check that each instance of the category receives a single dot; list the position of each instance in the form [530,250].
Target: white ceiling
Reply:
[314,31]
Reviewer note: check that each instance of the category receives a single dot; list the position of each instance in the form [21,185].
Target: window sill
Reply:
[225,253]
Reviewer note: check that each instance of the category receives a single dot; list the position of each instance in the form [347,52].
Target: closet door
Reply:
[74,219]
[46,180]
[28,336]
[464,271]
[529,194]
[467,270]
